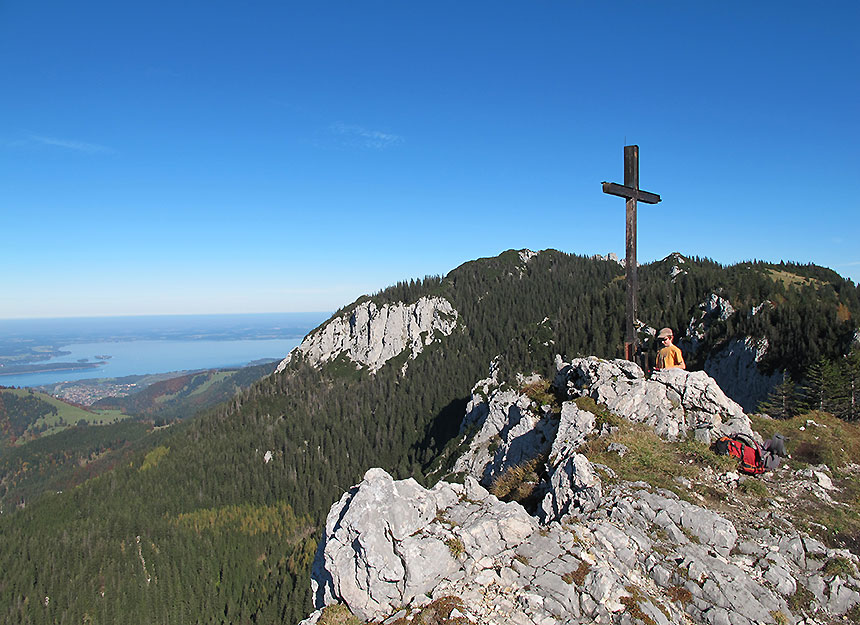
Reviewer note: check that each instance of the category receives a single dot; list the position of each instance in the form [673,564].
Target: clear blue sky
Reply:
[209,157]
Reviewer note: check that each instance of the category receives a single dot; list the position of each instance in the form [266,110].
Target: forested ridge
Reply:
[199,527]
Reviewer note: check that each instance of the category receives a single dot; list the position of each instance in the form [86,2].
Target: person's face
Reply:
[666,340]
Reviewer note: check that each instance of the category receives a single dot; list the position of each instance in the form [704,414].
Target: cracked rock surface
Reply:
[619,552]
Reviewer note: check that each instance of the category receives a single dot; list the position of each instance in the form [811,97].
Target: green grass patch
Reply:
[214,378]
[754,488]
[600,412]
[815,438]
[790,280]
[702,455]
[542,393]
[838,566]
[59,415]
[649,458]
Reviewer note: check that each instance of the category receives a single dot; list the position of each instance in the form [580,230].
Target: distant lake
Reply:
[146,356]
[149,344]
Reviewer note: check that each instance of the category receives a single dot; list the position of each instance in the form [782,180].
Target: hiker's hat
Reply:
[665,333]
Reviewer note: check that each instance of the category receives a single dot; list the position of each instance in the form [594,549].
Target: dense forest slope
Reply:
[218,522]
[184,395]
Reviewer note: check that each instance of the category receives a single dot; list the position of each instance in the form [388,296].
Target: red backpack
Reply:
[748,452]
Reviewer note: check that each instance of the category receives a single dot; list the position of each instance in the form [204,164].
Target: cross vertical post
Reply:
[631,192]
[631,180]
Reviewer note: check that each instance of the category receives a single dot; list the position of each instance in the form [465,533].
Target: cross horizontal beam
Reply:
[630,193]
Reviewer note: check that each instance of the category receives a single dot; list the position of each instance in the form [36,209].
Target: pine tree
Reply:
[783,400]
[849,401]
[821,389]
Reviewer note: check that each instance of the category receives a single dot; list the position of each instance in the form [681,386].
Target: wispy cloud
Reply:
[364,137]
[66,144]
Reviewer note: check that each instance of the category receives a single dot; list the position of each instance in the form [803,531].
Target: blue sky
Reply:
[222,157]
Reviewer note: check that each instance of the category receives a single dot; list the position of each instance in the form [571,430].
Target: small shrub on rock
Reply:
[455,545]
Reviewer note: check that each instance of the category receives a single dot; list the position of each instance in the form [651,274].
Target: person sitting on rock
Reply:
[669,356]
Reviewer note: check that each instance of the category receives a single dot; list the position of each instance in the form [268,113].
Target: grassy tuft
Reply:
[801,600]
[779,617]
[518,483]
[754,488]
[438,612]
[578,576]
[542,393]
[456,547]
[838,566]
[679,594]
[338,614]
[633,608]
[600,411]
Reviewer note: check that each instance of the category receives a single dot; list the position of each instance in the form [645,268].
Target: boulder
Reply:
[392,543]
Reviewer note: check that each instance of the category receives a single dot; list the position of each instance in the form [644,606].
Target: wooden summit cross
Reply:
[631,192]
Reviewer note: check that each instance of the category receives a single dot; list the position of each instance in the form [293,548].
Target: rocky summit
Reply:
[585,542]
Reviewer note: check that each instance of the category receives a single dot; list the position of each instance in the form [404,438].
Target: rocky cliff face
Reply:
[735,366]
[597,548]
[371,335]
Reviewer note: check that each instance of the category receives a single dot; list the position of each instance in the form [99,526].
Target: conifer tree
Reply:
[849,402]
[821,390]
[783,400]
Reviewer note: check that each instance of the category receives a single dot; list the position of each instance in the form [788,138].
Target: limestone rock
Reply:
[391,547]
[509,433]
[673,401]
[371,335]
[622,553]
[388,544]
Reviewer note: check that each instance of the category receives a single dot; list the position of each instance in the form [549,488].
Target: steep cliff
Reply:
[370,335]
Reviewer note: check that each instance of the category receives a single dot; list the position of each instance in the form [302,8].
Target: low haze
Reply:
[210,157]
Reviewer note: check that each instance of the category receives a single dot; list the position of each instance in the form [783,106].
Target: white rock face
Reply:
[392,545]
[371,335]
[509,432]
[389,544]
[673,401]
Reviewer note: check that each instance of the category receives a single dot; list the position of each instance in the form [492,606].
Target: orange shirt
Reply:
[670,357]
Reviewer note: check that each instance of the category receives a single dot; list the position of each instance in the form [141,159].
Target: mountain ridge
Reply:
[303,436]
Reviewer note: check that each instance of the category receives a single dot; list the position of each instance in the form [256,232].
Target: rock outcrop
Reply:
[596,549]
[371,335]
[674,402]
[644,556]
[510,429]
[735,366]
